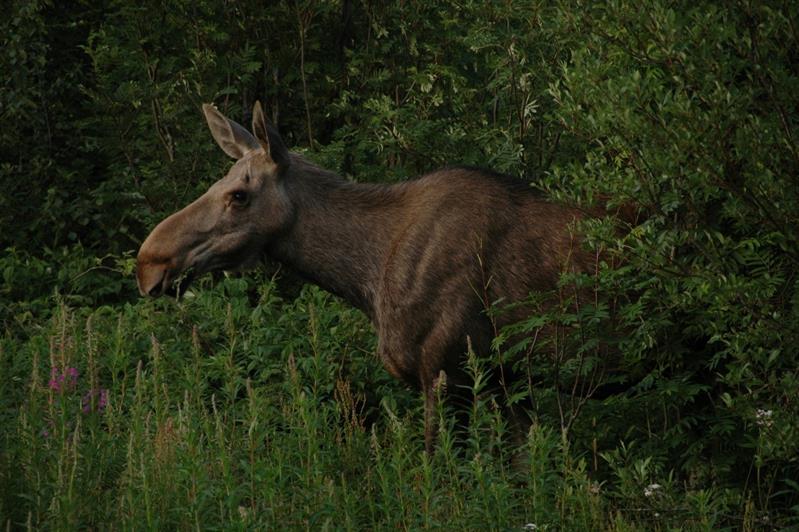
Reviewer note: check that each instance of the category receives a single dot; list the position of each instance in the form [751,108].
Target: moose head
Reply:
[229,225]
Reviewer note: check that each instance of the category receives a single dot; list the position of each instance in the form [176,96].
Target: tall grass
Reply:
[218,413]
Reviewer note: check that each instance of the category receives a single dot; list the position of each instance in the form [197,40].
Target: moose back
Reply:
[423,259]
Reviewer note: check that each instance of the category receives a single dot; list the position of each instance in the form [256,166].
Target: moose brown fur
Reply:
[423,259]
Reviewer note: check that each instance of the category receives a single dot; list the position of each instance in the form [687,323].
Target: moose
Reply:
[423,259]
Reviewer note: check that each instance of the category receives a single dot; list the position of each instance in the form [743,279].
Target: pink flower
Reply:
[60,381]
[46,430]
[53,384]
[101,396]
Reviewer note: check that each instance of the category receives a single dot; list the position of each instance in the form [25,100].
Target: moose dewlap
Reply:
[423,259]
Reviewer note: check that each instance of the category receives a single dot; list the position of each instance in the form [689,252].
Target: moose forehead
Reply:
[253,165]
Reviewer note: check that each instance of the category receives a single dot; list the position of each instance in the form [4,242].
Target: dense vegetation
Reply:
[256,402]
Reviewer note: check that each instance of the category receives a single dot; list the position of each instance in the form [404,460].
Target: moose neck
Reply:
[340,234]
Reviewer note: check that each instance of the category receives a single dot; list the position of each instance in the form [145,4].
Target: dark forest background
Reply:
[688,112]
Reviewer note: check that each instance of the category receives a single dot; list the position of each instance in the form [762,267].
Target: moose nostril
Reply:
[151,278]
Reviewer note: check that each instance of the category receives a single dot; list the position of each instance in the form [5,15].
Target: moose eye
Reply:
[239,197]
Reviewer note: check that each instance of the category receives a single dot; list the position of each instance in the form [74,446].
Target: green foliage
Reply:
[225,413]
[242,407]
[685,115]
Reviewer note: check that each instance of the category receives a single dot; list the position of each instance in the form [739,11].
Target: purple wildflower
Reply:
[53,384]
[60,381]
[46,430]
[101,396]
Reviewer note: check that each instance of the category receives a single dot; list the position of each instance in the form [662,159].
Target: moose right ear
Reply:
[269,139]
[234,139]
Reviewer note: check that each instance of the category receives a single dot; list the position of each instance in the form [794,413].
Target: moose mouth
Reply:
[168,285]
[178,286]
[157,279]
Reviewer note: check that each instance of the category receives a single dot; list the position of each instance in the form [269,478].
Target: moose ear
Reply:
[233,138]
[268,138]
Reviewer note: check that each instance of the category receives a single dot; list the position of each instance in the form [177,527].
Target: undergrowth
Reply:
[228,411]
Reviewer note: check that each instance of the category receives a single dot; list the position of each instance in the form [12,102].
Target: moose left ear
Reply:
[232,137]
[268,138]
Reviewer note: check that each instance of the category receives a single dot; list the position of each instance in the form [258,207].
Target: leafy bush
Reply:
[684,113]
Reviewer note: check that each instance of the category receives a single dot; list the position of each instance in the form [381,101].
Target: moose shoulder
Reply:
[423,259]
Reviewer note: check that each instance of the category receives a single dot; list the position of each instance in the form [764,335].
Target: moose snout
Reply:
[151,277]
[153,267]
[160,256]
